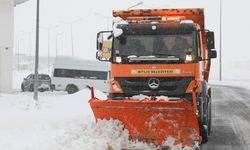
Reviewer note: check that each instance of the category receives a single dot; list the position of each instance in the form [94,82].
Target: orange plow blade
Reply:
[152,121]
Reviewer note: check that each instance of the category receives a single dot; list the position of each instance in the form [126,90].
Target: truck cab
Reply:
[160,53]
[169,51]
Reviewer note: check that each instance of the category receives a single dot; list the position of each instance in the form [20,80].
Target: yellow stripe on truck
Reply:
[156,71]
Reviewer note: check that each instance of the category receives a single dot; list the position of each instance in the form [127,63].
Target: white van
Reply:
[73,74]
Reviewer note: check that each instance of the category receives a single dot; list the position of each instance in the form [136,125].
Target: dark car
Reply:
[44,82]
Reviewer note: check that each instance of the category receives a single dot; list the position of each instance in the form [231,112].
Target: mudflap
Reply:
[152,121]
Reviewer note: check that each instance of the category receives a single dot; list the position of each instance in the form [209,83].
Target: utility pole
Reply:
[220,70]
[36,54]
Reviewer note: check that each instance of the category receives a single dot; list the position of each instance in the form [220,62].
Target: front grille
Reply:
[169,86]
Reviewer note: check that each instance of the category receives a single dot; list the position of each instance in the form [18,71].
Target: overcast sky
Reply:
[55,13]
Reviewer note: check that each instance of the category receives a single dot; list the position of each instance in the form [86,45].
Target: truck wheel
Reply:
[200,108]
[71,89]
[205,103]
[208,117]
[204,133]
[209,125]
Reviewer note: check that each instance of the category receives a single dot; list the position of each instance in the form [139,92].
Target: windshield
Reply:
[158,46]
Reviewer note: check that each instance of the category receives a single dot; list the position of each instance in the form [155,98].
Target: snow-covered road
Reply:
[230,119]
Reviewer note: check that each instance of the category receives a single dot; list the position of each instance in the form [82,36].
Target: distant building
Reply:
[7,43]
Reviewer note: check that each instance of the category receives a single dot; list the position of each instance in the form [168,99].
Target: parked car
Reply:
[44,82]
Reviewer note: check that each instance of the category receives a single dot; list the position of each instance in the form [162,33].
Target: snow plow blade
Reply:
[152,121]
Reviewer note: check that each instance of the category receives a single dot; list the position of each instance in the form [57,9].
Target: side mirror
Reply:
[210,40]
[104,45]
[24,79]
[212,54]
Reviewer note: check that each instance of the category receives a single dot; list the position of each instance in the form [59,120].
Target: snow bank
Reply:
[99,136]
[26,124]
[58,122]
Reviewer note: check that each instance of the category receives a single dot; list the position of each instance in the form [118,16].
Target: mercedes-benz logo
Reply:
[153,83]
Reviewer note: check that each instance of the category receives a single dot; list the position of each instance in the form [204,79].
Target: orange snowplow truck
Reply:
[160,63]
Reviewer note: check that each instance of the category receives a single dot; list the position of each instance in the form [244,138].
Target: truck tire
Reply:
[71,89]
[205,113]
[204,133]
[205,98]
[200,108]
[209,124]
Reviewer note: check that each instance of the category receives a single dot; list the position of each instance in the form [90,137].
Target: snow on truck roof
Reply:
[194,14]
